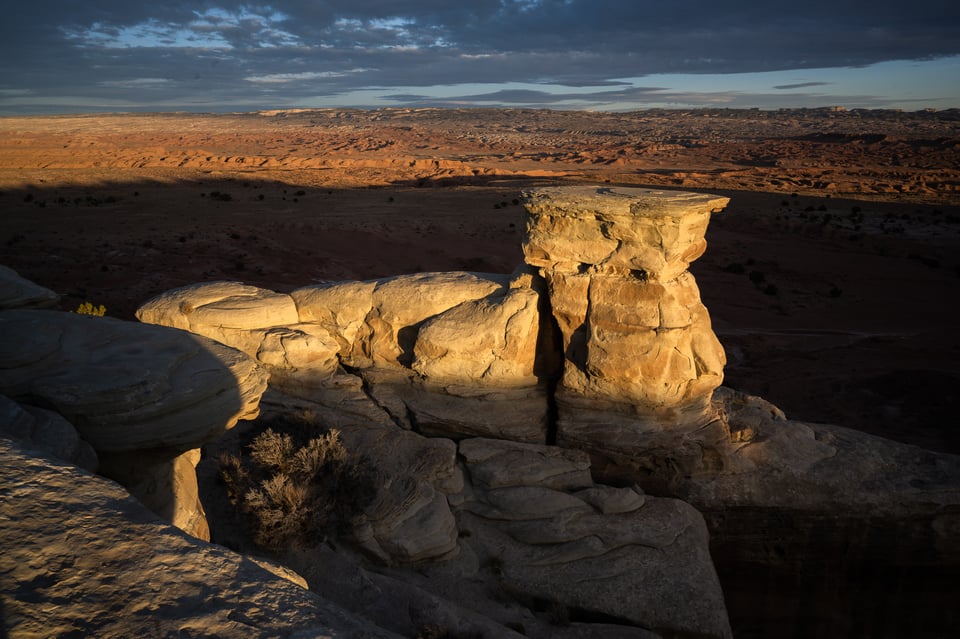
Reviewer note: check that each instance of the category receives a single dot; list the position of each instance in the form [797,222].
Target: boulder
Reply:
[45,431]
[81,557]
[17,292]
[127,386]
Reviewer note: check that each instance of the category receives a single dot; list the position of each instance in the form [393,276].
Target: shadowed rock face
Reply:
[144,397]
[16,292]
[127,386]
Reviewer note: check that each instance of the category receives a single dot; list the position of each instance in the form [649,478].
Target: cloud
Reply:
[233,53]
[801,85]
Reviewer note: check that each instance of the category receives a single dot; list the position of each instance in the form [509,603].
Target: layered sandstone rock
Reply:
[430,351]
[17,292]
[81,557]
[555,535]
[144,397]
[128,386]
[637,341]
[46,432]
[408,519]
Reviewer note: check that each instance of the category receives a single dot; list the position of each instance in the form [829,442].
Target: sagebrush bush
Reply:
[295,489]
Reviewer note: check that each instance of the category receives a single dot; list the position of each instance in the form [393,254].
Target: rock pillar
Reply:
[637,341]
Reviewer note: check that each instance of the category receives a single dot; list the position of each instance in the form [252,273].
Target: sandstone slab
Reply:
[127,386]
[600,549]
[81,557]
[43,430]
[18,292]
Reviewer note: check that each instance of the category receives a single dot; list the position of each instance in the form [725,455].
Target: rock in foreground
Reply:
[82,558]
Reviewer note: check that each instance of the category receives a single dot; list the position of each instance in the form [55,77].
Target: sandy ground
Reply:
[832,277]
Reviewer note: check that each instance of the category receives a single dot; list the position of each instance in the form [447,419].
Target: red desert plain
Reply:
[832,277]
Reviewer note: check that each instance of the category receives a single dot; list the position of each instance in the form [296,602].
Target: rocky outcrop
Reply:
[144,397]
[127,386]
[431,351]
[408,519]
[81,557]
[45,432]
[17,292]
[602,342]
[637,340]
[556,536]
[527,543]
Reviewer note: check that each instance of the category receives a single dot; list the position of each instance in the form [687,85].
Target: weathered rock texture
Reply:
[82,558]
[17,292]
[557,536]
[431,351]
[142,396]
[127,386]
[526,541]
[46,432]
[636,338]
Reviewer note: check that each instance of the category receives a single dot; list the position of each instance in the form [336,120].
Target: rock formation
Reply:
[46,432]
[81,557]
[17,292]
[431,351]
[144,397]
[531,434]
[638,349]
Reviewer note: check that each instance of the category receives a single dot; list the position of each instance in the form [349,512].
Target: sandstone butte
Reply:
[558,437]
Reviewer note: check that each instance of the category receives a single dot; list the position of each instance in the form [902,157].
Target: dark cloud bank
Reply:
[115,54]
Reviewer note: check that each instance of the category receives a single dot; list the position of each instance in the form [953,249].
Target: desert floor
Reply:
[832,277]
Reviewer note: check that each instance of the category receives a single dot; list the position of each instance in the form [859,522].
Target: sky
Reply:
[75,56]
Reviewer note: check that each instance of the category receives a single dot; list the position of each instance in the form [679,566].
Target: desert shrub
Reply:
[88,308]
[292,488]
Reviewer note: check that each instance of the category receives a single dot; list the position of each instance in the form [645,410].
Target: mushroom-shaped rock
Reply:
[127,386]
[635,333]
